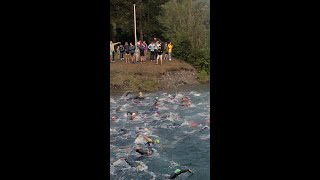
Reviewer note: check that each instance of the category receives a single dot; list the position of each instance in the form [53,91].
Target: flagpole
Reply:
[135,27]
[135,24]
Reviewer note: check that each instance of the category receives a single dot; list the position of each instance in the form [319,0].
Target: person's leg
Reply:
[161,59]
[113,56]
[158,56]
[169,56]
[155,54]
[145,55]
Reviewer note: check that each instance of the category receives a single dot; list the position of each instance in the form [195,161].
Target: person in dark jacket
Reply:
[121,52]
[132,50]
[127,52]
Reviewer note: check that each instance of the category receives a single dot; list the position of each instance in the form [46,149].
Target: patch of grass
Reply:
[143,77]
[133,82]
[150,84]
[203,76]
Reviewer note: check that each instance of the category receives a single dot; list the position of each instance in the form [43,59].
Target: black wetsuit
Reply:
[131,163]
[173,176]
[150,143]
[142,152]
[130,113]
[138,97]
[204,128]
[173,125]
[123,131]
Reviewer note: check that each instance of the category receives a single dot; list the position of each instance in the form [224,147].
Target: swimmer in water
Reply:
[172,97]
[185,102]
[148,152]
[155,108]
[140,96]
[204,128]
[113,118]
[119,109]
[150,141]
[132,163]
[131,115]
[173,125]
[156,103]
[177,172]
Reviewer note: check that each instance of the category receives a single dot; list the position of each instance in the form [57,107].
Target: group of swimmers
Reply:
[141,134]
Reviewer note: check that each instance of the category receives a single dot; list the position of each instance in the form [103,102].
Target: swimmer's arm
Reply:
[147,138]
[185,170]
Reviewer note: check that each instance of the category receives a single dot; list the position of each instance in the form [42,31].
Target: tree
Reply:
[121,14]
[187,25]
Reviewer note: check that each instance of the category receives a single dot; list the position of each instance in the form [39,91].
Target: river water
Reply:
[184,134]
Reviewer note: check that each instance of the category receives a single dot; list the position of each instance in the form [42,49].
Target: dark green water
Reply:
[180,147]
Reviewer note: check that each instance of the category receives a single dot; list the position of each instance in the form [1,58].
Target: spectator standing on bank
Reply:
[170,47]
[112,48]
[156,49]
[111,60]
[152,51]
[142,55]
[132,50]
[165,51]
[145,50]
[160,52]
[121,52]
[126,50]
[118,52]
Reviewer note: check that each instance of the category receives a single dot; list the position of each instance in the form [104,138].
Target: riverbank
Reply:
[150,77]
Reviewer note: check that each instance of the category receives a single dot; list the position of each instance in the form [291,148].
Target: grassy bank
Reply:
[151,77]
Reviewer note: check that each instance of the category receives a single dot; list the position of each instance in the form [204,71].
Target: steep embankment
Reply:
[150,77]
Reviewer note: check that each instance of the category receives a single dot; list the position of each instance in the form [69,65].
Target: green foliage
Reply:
[188,24]
[182,49]
[203,76]
[200,58]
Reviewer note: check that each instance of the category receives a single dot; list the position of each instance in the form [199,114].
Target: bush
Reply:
[182,49]
[201,59]
[203,76]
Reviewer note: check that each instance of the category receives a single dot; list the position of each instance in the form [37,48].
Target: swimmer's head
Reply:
[149,152]
[177,171]
[140,93]
[156,98]
[133,114]
[113,118]
[157,141]
[194,124]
